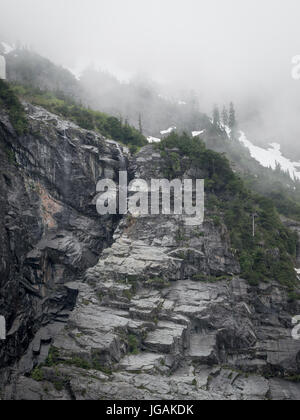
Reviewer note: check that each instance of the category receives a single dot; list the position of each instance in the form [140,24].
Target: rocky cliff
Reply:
[131,308]
[49,226]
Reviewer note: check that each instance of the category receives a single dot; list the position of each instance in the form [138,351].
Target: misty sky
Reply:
[220,48]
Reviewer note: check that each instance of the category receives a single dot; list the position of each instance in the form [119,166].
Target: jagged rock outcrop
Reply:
[50,230]
[164,314]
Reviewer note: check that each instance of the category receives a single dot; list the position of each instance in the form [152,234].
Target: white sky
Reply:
[223,49]
[169,38]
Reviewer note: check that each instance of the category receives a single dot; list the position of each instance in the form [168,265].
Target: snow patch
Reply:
[2,67]
[227,130]
[270,158]
[168,131]
[7,48]
[173,101]
[153,139]
[197,133]
[164,98]
[77,73]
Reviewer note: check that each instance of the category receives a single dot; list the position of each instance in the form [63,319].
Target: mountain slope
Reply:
[164,314]
[101,306]
[272,158]
[137,102]
[49,226]
[276,185]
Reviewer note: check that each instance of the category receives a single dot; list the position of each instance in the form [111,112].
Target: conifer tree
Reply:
[232,117]
[140,124]
[225,117]
[216,116]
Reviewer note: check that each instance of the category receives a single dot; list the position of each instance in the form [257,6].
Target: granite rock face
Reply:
[147,323]
[50,230]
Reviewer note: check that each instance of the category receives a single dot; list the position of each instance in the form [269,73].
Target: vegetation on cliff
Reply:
[60,104]
[266,255]
[10,101]
[274,184]
[269,253]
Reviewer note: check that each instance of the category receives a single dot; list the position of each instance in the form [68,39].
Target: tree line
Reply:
[227,117]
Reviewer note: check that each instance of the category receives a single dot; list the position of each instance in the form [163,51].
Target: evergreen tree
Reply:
[120,118]
[140,124]
[225,117]
[232,117]
[216,116]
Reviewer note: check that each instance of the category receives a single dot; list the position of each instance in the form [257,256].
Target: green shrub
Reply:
[80,363]
[209,279]
[37,374]
[293,297]
[10,102]
[158,282]
[58,103]
[58,385]
[133,345]
[53,357]
[128,294]
[295,378]
[200,277]
[270,253]
[10,155]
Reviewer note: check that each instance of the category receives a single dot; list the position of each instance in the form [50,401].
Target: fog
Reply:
[221,49]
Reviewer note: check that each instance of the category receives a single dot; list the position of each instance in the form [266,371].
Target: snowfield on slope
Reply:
[7,48]
[271,157]
[153,139]
[197,133]
[168,131]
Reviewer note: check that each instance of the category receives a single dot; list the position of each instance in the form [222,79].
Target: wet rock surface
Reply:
[50,230]
[162,314]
